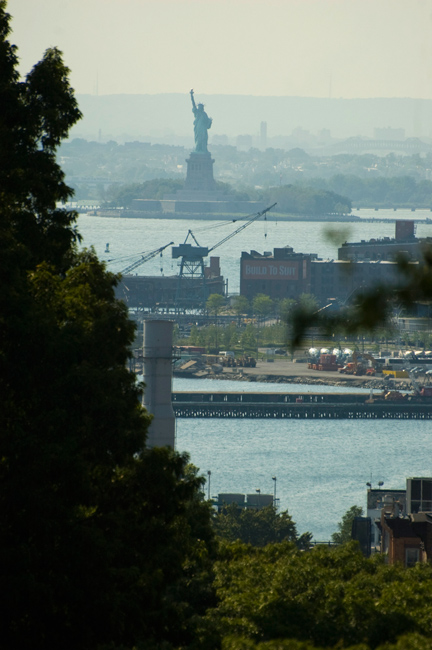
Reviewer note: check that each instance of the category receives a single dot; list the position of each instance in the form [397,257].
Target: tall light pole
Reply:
[208,484]
[274,479]
[380,484]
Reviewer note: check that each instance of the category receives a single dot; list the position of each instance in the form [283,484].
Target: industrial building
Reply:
[283,274]
[254,501]
[339,280]
[171,293]
[286,274]
[398,523]
[387,249]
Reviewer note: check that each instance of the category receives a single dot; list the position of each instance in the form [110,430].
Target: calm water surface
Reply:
[321,467]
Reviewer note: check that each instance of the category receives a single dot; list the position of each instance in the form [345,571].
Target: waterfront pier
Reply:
[297,405]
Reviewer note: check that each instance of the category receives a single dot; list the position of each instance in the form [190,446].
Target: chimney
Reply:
[157,361]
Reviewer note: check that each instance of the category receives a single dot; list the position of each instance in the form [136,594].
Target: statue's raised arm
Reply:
[193,101]
[202,123]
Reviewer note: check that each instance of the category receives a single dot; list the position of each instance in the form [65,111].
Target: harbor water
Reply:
[321,467]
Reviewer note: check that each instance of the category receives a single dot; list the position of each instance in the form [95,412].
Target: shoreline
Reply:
[288,372]
[375,384]
[218,216]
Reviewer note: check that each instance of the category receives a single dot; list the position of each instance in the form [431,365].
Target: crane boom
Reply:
[144,258]
[242,227]
[192,264]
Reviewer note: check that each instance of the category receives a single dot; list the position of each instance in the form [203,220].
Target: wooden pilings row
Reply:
[323,411]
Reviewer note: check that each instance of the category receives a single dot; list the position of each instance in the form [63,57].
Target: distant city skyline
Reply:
[303,48]
[168,118]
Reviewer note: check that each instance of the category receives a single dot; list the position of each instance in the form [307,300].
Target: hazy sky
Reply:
[310,48]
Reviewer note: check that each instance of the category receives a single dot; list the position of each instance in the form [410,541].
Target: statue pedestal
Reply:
[199,175]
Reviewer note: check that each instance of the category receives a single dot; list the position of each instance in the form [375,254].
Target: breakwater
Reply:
[297,406]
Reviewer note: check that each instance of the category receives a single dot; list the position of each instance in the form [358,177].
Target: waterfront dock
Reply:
[297,405]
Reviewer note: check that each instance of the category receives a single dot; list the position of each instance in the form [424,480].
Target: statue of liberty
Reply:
[202,123]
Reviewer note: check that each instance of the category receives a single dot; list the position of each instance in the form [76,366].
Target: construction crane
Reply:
[242,227]
[192,263]
[144,258]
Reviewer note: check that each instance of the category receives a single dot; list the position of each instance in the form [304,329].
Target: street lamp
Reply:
[208,484]
[380,484]
[274,479]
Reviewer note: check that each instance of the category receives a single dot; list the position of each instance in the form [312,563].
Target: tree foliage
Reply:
[154,189]
[376,191]
[279,597]
[307,301]
[35,116]
[233,337]
[343,534]
[215,303]
[103,543]
[306,200]
[240,305]
[248,339]
[257,527]
[294,199]
[158,188]
[262,305]
[284,307]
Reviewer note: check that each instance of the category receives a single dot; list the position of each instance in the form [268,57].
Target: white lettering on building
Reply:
[255,270]
[271,271]
[286,270]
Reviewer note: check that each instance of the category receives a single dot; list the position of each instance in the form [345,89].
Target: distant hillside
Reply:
[166,115]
